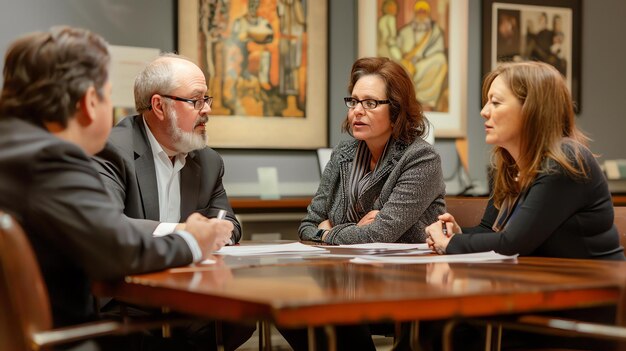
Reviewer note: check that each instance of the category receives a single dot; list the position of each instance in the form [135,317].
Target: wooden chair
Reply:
[26,317]
[467,211]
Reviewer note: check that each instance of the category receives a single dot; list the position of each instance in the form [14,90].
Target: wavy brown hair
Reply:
[47,73]
[548,128]
[406,112]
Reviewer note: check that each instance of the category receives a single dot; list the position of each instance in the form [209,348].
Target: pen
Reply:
[222,215]
[444,228]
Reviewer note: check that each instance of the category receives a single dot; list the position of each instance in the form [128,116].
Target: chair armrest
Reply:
[100,328]
[573,327]
[75,333]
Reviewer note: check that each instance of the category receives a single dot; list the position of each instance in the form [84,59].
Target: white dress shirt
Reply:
[168,187]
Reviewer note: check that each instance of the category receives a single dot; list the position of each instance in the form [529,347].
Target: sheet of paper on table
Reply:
[473,257]
[379,249]
[273,249]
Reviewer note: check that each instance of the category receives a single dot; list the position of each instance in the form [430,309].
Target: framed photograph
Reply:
[537,30]
[429,38]
[266,67]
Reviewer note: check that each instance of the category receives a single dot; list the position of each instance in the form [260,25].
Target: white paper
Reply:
[378,249]
[473,257]
[388,246]
[247,250]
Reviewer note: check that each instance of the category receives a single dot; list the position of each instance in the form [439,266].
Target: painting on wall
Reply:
[429,38]
[266,68]
[537,30]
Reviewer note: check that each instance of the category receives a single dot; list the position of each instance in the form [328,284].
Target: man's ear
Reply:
[157,106]
[86,107]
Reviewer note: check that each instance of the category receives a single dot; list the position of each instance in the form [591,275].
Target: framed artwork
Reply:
[537,30]
[429,38]
[266,68]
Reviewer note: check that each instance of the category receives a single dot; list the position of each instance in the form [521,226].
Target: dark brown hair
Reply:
[406,112]
[47,73]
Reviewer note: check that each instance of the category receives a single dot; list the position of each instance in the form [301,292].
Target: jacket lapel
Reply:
[345,168]
[189,186]
[388,163]
[145,171]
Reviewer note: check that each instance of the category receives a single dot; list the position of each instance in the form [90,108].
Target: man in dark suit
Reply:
[156,164]
[55,112]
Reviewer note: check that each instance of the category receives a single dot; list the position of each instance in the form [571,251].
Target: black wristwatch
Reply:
[318,236]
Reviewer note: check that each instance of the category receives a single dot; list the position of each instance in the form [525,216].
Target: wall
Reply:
[150,23]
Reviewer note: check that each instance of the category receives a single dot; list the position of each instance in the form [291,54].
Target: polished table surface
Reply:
[294,291]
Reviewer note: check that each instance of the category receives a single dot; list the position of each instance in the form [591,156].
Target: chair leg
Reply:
[414,335]
[448,329]
[499,338]
[311,338]
[219,336]
[493,335]
[166,330]
[265,336]
[331,335]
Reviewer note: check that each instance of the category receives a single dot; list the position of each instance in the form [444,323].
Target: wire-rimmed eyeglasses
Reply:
[368,104]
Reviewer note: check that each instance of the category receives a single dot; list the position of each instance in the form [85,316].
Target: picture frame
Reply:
[445,106]
[266,68]
[540,30]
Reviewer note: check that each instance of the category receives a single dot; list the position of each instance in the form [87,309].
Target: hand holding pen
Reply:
[446,220]
[438,235]
[222,215]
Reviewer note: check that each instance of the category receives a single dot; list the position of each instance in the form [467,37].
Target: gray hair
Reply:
[157,77]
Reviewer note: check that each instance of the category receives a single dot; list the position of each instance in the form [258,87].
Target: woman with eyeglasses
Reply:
[385,184]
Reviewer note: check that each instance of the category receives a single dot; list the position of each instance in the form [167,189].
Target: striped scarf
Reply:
[360,177]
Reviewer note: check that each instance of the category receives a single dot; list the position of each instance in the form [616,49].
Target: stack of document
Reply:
[465,258]
[379,249]
[258,250]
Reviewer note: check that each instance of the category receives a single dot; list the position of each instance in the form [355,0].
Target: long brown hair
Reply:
[547,126]
[406,112]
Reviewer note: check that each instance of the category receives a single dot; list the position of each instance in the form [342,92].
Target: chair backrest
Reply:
[24,303]
[620,223]
[467,211]
[323,156]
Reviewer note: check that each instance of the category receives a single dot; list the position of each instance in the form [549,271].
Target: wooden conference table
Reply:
[299,291]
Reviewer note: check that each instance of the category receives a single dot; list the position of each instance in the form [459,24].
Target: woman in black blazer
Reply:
[550,196]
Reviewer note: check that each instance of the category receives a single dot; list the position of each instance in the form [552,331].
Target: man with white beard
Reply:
[422,45]
[157,167]
[156,164]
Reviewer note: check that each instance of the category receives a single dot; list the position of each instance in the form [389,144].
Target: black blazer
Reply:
[558,216]
[127,167]
[77,232]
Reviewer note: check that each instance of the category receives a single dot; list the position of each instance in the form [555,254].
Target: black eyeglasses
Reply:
[368,104]
[198,104]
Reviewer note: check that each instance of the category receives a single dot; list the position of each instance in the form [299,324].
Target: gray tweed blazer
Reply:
[408,191]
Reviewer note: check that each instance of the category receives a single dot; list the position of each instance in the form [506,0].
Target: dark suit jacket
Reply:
[77,232]
[558,216]
[127,166]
